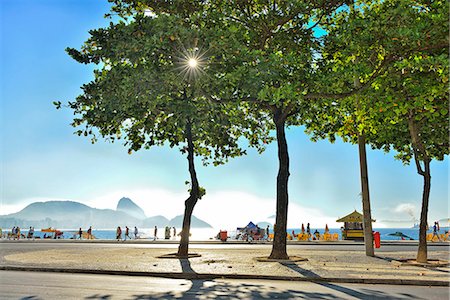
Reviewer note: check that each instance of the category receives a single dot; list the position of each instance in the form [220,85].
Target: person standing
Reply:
[174,232]
[155,233]
[167,233]
[135,233]
[89,233]
[308,231]
[267,232]
[127,233]
[80,233]
[119,233]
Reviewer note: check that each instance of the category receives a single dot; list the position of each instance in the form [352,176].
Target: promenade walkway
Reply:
[143,259]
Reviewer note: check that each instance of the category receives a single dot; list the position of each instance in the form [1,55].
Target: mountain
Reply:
[195,222]
[66,214]
[159,221]
[131,208]
[71,214]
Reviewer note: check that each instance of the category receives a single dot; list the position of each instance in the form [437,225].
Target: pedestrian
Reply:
[80,233]
[127,233]
[167,233]
[435,231]
[317,235]
[30,233]
[155,233]
[293,234]
[267,232]
[18,232]
[89,233]
[174,232]
[308,231]
[135,233]
[13,233]
[119,233]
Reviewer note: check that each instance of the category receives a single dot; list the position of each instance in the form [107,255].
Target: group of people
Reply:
[16,233]
[314,236]
[167,232]
[126,233]
[89,235]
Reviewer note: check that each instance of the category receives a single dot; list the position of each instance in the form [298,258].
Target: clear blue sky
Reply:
[41,159]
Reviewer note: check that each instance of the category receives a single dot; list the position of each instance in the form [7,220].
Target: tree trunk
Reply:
[367,213]
[279,241]
[422,252]
[421,155]
[189,204]
[367,223]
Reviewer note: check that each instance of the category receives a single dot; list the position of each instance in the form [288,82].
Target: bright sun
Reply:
[192,62]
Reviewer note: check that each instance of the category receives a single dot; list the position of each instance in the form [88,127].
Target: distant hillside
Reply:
[131,208]
[195,222]
[159,221]
[72,215]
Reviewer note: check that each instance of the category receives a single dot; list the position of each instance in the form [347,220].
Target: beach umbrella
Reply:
[400,235]
[303,228]
[326,228]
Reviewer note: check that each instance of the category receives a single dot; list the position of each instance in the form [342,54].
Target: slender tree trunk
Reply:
[421,155]
[367,214]
[422,252]
[189,204]
[279,242]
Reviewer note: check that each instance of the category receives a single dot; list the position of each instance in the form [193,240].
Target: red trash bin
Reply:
[376,239]
[223,236]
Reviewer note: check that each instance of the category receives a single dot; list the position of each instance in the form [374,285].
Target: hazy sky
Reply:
[42,160]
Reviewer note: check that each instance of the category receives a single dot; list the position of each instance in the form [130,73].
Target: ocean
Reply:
[201,234]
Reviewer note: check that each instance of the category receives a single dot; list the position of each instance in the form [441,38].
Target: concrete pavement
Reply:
[137,259]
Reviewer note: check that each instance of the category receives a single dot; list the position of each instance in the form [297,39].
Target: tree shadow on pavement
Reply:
[97,296]
[217,289]
[362,294]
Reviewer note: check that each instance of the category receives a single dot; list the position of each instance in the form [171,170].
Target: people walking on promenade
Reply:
[267,232]
[174,232]
[119,233]
[155,233]
[135,233]
[89,233]
[127,233]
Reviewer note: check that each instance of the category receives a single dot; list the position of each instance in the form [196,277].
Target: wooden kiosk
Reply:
[353,226]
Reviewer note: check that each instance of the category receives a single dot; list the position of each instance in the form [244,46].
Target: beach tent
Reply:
[250,225]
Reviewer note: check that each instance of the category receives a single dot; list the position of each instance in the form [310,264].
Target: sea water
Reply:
[202,234]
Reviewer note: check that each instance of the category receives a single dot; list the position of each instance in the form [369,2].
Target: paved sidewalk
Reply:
[320,265]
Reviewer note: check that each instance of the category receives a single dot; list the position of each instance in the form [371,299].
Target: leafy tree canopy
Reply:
[145,93]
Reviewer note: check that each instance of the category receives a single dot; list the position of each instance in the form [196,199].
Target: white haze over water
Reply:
[222,210]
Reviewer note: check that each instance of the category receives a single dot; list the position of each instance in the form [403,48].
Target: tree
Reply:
[267,53]
[146,91]
[412,106]
[361,43]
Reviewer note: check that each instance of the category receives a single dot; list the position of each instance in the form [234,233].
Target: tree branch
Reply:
[362,87]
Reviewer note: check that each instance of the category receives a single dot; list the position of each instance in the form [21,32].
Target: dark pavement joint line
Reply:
[192,275]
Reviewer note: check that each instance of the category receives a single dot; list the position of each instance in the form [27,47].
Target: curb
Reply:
[191,276]
[229,242]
